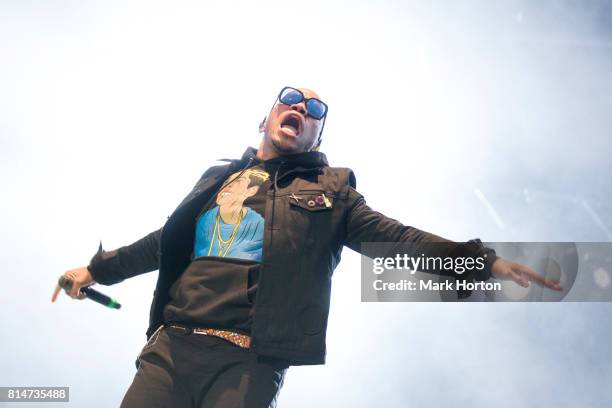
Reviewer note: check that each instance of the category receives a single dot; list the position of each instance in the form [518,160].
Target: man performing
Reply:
[245,265]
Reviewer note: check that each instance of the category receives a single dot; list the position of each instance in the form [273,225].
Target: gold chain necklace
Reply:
[224,244]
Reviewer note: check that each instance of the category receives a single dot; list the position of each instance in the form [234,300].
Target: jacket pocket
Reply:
[310,217]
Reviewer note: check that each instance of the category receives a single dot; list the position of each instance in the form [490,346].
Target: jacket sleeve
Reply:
[110,267]
[364,224]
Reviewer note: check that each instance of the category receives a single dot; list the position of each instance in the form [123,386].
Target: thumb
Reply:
[521,278]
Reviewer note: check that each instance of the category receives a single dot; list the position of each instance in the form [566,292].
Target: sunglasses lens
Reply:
[316,108]
[290,96]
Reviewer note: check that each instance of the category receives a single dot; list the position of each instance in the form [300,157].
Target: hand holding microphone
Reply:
[76,283]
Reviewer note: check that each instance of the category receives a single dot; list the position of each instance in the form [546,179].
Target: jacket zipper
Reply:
[274,201]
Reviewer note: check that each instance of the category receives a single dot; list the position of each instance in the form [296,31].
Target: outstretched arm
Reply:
[364,224]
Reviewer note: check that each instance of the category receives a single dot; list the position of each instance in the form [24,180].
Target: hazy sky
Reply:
[469,119]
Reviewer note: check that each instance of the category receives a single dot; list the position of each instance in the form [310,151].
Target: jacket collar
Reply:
[306,159]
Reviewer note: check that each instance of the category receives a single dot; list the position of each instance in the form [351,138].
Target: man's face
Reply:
[234,193]
[289,130]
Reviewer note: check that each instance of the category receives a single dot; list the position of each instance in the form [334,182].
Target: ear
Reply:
[251,191]
[262,125]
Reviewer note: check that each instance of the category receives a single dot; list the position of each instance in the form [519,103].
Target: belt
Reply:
[240,340]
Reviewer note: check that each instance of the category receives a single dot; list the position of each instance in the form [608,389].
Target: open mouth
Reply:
[291,124]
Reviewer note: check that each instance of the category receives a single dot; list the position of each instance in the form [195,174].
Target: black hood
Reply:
[305,159]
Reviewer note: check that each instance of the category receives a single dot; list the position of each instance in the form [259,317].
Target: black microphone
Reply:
[66,283]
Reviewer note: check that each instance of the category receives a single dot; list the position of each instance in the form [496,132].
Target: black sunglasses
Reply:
[318,109]
[314,107]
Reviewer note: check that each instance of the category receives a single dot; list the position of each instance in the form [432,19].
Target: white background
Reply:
[110,111]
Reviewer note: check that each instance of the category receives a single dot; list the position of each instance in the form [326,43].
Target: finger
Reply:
[521,281]
[56,292]
[81,296]
[519,277]
[532,275]
[553,284]
[540,280]
[74,290]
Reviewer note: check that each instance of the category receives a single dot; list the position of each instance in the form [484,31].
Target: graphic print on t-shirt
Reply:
[230,228]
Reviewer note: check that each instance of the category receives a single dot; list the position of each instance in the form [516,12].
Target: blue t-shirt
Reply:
[218,287]
[213,236]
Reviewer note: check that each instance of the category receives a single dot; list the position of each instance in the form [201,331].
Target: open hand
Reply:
[521,274]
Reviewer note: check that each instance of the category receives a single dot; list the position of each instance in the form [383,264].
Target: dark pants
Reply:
[194,370]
